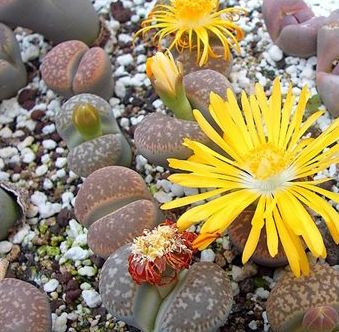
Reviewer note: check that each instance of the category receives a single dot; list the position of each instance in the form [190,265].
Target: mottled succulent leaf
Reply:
[122,297]
[23,308]
[107,150]
[159,137]
[201,301]
[107,190]
[112,231]
[291,297]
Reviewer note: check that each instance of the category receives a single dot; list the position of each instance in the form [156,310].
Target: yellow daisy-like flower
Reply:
[191,23]
[267,161]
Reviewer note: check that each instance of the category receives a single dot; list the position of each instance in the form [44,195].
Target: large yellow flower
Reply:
[268,161]
[191,23]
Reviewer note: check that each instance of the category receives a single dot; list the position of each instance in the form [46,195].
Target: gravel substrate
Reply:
[50,250]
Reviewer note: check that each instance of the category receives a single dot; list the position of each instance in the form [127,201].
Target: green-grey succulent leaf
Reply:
[9,213]
[136,305]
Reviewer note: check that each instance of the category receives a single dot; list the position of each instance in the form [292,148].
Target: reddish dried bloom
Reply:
[158,255]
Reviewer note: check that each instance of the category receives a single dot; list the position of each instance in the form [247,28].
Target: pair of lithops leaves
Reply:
[87,124]
[116,206]
[306,304]
[72,68]
[159,137]
[293,26]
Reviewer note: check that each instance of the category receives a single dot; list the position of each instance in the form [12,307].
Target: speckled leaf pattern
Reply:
[291,297]
[160,136]
[23,308]
[106,190]
[120,227]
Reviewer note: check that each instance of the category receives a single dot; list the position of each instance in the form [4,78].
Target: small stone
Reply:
[275,53]
[5,247]
[60,323]
[76,253]
[88,271]
[262,293]
[91,298]
[162,197]
[20,235]
[246,271]
[177,190]
[51,286]
[207,255]
[61,162]
[41,170]
[49,144]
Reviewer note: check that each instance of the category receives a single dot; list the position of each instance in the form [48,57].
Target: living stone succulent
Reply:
[72,68]
[13,206]
[199,85]
[239,231]
[114,200]
[328,66]
[23,308]
[87,124]
[57,20]
[159,137]
[199,301]
[13,74]
[305,304]
[292,26]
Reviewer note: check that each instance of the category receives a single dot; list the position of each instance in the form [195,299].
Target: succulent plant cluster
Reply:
[293,26]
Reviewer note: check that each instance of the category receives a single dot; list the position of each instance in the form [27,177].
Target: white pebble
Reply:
[262,293]
[207,255]
[8,152]
[5,247]
[60,322]
[162,197]
[76,253]
[49,129]
[88,271]
[20,235]
[48,184]
[51,286]
[27,155]
[61,162]
[275,53]
[41,170]
[91,298]
[49,144]
[177,190]
[125,59]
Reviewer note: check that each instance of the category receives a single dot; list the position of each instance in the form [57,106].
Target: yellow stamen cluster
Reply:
[156,243]
[190,24]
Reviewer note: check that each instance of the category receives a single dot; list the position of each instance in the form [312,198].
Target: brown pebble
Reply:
[64,277]
[97,260]
[72,284]
[72,295]
[37,115]
[14,253]
[64,216]
[26,98]
[220,260]
[120,13]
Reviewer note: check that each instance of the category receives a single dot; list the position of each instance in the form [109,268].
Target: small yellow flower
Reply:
[164,73]
[191,24]
[268,162]
[167,79]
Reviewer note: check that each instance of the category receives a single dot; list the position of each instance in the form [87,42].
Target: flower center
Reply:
[193,10]
[155,243]
[267,161]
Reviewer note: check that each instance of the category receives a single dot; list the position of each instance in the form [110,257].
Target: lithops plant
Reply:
[72,68]
[23,308]
[306,304]
[57,20]
[159,137]
[87,124]
[13,206]
[114,201]
[200,300]
[328,66]
[292,26]
[13,74]
[239,231]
